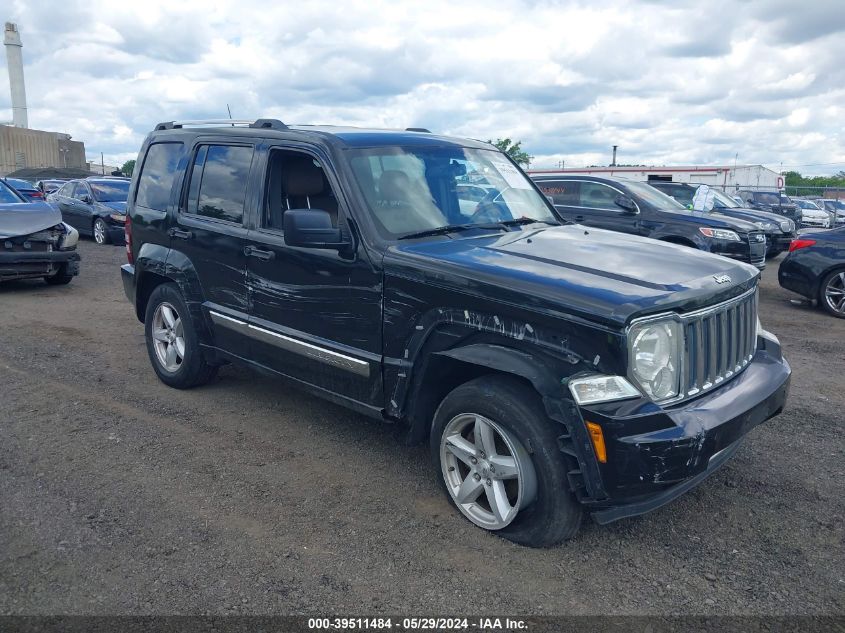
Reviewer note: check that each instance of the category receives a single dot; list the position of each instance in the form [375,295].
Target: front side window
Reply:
[595,195]
[81,190]
[158,172]
[218,182]
[412,189]
[652,196]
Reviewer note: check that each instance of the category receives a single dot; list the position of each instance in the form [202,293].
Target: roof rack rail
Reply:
[273,124]
[417,129]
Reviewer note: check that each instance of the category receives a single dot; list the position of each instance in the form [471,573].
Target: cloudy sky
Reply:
[674,82]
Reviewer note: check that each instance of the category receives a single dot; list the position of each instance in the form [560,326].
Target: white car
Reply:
[836,209]
[812,215]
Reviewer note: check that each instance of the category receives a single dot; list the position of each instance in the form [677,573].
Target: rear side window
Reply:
[157,175]
[218,182]
[562,192]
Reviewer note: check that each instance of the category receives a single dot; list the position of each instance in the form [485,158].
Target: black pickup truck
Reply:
[554,370]
[636,208]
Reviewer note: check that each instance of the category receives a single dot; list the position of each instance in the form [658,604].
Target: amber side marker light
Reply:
[597,438]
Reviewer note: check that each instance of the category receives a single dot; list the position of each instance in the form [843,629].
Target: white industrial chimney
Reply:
[14,58]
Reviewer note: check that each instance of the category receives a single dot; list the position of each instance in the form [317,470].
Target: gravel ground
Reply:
[119,495]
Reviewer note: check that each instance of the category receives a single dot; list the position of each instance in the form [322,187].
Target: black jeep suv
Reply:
[773,201]
[636,208]
[780,231]
[554,370]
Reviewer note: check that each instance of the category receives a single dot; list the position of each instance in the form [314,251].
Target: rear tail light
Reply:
[37,194]
[794,245]
[127,238]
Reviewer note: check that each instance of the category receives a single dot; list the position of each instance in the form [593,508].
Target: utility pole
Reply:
[613,164]
[103,163]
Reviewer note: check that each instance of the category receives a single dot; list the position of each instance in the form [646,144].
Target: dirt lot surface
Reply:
[120,495]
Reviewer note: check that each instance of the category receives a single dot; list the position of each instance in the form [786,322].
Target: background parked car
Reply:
[815,268]
[812,215]
[95,207]
[25,188]
[34,242]
[835,207]
[636,208]
[779,231]
[770,201]
[49,186]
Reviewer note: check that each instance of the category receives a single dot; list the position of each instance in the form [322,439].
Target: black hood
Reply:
[24,218]
[599,275]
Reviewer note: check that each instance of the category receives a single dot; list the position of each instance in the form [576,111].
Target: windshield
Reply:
[651,195]
[413,189]
[7,195]
[110,190]
[723,201]
[767,198]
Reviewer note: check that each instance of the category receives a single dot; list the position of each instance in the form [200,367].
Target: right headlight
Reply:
[654,356]
[719,234]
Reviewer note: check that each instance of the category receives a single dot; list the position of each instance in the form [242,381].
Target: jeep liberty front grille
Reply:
[719,342]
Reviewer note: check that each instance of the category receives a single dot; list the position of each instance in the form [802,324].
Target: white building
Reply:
[726,177]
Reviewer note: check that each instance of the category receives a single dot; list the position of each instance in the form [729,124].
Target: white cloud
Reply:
[679,82]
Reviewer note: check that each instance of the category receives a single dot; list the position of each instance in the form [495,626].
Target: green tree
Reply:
[514,150]
[128,167]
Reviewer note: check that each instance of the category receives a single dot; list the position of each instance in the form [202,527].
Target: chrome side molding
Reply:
[295,346]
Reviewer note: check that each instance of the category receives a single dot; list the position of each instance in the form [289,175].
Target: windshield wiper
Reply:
[454,228]
[524,220]
[440,230]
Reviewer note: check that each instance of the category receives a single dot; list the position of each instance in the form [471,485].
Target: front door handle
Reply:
[182,235]
[251,251]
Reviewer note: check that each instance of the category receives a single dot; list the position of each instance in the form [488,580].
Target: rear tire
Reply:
[832,293]
[172,340]
[543,511]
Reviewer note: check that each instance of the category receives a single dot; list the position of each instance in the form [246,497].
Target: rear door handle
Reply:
[251,251]
[182,235]
[579,218]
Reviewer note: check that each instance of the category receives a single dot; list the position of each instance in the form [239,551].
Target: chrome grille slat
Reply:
[719,343]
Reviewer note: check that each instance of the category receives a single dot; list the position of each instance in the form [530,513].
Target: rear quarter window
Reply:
[158,172]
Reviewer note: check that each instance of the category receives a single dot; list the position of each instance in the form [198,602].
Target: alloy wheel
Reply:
[487,471]
[100,232]
[834,293]
[168,337]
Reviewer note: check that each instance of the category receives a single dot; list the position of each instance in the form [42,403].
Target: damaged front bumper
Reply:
[655,454]
[29,265]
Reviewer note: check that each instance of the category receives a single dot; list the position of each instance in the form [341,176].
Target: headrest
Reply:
[302,178]
[393,185]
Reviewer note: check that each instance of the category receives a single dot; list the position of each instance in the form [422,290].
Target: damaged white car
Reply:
[34,242]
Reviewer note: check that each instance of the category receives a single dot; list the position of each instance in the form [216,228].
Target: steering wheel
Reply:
[491,208]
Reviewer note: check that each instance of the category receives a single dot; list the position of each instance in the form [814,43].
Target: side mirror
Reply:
[626,203]
[86,198]
[312,228]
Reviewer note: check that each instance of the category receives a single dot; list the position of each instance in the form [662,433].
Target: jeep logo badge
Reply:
[722,279]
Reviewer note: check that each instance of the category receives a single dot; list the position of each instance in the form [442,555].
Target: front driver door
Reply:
[597,201]
[316,313]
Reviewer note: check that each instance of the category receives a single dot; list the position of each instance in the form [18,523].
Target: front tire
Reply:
[832,293]
[61,277]
[100,231]
[172,340]
[497,457]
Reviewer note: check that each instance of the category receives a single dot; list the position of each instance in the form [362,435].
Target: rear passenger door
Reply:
[564,196]
[316,313]
[210,234]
